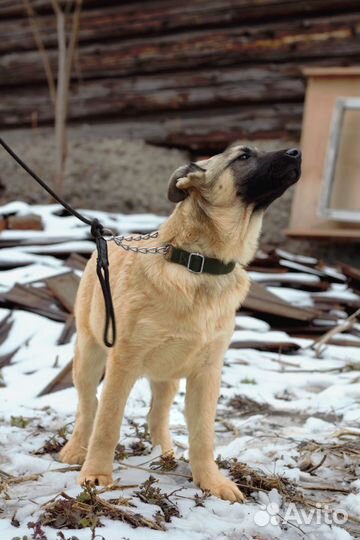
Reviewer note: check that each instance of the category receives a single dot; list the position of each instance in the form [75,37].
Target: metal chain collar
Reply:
[119,241]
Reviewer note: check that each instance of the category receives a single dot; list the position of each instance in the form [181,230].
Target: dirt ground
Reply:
[130,176]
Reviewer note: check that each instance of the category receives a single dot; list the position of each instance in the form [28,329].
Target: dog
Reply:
[175,313]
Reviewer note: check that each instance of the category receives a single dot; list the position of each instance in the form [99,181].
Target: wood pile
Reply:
[196,75]
[281,269]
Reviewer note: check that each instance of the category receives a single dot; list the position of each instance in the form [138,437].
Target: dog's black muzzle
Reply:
[274,174]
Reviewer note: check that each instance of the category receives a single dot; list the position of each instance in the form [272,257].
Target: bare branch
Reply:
[320,344]
[73,42]
[40,45]
[61,99]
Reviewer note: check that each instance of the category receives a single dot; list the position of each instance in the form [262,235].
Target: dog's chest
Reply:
[174,345]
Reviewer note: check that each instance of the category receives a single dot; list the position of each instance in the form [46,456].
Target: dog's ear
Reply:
[182,179]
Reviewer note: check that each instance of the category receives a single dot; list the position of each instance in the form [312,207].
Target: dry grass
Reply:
[87,509]
[250,480]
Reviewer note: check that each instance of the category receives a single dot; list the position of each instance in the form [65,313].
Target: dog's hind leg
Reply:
[88,368]
[163,394]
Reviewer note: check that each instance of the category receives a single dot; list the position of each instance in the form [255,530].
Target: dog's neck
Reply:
[213,231]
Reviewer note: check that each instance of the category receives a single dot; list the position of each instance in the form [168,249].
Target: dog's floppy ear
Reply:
[183,178]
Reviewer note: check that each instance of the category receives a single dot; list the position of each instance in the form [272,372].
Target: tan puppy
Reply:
[171,322]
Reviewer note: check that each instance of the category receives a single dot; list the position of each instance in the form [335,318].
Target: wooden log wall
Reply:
[196,74]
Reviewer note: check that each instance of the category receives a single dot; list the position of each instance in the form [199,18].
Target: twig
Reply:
[28,478]
[68,468]
[152,471]
[315,467]
[317,346]
[324,488]
[284,363]
[291,524]
[327,370]
[346,433]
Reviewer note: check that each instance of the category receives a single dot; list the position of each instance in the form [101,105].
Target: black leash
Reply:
[97,231]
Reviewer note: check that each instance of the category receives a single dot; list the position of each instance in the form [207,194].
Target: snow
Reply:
[304,399]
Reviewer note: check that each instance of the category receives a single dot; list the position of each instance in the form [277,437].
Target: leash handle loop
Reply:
[102,270]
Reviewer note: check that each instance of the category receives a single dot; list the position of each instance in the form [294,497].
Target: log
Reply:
[333,37]
[158,93]
[211,131]
[15,8]
[154,18]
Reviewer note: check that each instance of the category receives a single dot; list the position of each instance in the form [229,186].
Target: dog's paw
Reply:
[96,479]
[221,487]
[73,454]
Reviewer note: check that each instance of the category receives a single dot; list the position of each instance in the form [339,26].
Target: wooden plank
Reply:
[319,271]
[25,223]
[6,324]
[64,288]
[29,298]
[298,284]
[285,347]
[332,299]
[158,18]
[341,342]
[42,240]
[352,273]
[68,331]
[332,37]
[261,300]
[76,261]
[324,233]
[62,380]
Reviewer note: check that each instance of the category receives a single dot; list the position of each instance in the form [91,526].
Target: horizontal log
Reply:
[15,8]
[154,18]
[209,130]
[205,131]
[157,93]
[314,38]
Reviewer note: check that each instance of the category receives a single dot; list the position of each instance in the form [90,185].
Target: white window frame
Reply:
[342,104]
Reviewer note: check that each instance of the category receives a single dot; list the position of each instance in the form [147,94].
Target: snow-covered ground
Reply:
[280,414]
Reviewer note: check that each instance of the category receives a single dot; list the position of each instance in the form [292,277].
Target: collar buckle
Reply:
[191,268]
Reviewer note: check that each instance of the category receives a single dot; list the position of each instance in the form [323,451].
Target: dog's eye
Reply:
[244,156]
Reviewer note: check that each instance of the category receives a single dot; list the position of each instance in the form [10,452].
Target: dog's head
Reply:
[240,176]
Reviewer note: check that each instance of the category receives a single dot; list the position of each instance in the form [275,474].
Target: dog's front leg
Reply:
[119,379]
[202,392]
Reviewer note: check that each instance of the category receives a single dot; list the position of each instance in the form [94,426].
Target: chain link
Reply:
[119,241]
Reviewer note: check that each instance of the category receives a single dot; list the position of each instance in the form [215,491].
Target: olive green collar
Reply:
[198,263]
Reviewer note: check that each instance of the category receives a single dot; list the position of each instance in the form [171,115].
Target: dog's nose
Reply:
[294,153]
